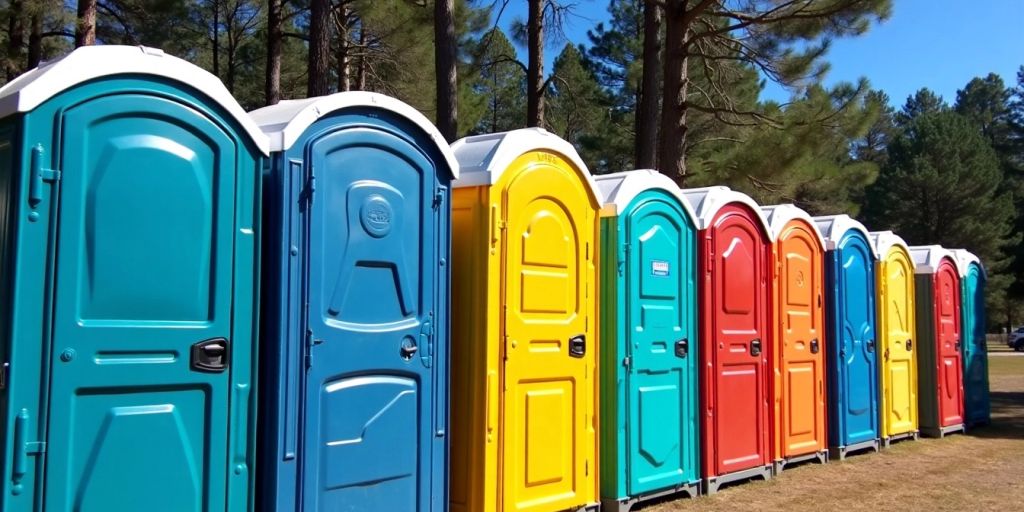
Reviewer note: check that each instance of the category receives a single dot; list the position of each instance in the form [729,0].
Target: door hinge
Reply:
[309,342]
[586,467]
[627,361]
[438,198]
[39,175]
[3,375]
[308,188]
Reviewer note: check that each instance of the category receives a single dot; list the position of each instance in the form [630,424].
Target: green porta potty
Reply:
[128,215]
[977,408]
[649,400]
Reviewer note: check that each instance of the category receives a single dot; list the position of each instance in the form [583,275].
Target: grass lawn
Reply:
[982,470]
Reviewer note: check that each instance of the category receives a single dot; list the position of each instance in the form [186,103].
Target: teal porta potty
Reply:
[648,369]
[128,234]
[977,409]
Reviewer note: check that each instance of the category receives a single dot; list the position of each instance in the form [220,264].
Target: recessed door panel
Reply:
[899,370]
[372,285]
[947,317]
[143,273]
[857,344]
[549,361]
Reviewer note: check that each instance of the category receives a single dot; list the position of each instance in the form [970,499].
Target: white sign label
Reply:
[659,268]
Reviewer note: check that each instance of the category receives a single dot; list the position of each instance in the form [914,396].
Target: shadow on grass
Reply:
[1007,417]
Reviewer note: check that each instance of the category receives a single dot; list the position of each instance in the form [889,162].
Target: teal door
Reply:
[660,320]
[976,389]
[142,336]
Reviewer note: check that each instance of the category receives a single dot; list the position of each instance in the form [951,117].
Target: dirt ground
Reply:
[983,470]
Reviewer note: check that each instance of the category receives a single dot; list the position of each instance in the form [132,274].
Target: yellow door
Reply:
[548,278]
[899,366]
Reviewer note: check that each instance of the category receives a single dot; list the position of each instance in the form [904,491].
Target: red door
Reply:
[734,295]
[950,371]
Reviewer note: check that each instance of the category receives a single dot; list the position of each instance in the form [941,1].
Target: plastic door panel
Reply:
[899,366]
[947,328]
[976,392]
[372,284]
[139,410]
[801,355]
[739,308]
[660,395]
[857,345]
[549,362]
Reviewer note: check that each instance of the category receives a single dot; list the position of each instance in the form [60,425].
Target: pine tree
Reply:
[499,84]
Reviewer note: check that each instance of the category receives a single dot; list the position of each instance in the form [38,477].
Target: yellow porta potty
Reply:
[896,344]
[524,317]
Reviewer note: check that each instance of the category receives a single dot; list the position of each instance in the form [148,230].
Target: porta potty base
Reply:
[691,490]
[712,484]
[944,431]
[840,452]
[887,441]
[820,456]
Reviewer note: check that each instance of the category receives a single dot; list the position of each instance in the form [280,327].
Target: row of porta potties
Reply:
[322,306]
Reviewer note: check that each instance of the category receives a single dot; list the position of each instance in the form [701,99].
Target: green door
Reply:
[139,403]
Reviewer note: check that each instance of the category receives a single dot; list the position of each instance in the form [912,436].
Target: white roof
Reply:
[484,158]
[928,257]
[285,122]
[33,88]
[707,201]
[780,215]
[620,188]
[882,241]
[964,258]
[834,227]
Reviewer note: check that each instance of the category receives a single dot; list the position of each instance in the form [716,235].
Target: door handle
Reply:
[210,356]
[578,345]
[755,347]
[682,347]
[910,345]
[409,348]
[870,345]
[814,346]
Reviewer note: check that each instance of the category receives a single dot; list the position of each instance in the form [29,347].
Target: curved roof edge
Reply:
[33,88]
[882,241]
[780,215]
[286,121]
[965,258]
[834,227]
[620,188]
[928,258]
[484,158]
[707,201]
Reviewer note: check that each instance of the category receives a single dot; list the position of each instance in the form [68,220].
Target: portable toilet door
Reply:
[734,332]
[940,363]
[798,337]
[356,335]
[851,357]
[130,182]
[648,373]
[975,354]
[524,347]
[896,330]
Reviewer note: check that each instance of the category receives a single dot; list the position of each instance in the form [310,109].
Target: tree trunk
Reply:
[645,150]
[444,68]
[275,44]
[535,67]
[15,38]
[343,59]
[216,38]
[361,72]
[319,48]
[676,80]
[85,30]
[35,42]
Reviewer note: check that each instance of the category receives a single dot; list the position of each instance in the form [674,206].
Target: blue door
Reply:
[852,352]
[141,385]
[976,389]
[373,406]
[661,316]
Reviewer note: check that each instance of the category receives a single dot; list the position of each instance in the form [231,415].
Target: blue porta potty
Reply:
[852,364]
[977,407]
[129,200]
[356,285]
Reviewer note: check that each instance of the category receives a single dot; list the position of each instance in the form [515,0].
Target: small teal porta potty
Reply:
[977,408]
[129,200]
[648,369]
[851,348]
[356,280]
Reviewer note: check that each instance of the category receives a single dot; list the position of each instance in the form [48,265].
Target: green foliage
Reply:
[499,85]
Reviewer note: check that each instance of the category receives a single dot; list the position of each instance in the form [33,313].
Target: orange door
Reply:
[800,409]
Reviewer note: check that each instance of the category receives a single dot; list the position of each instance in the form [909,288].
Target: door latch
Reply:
[578,345]
[682,347]
[910,345]
[755,347]
[409,348]
[210,355]
[870,345]
[814,346]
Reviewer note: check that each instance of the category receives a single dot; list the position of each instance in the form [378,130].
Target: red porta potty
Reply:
[733,248]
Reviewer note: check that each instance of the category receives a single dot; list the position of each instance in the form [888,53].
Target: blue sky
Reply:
[939,44]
